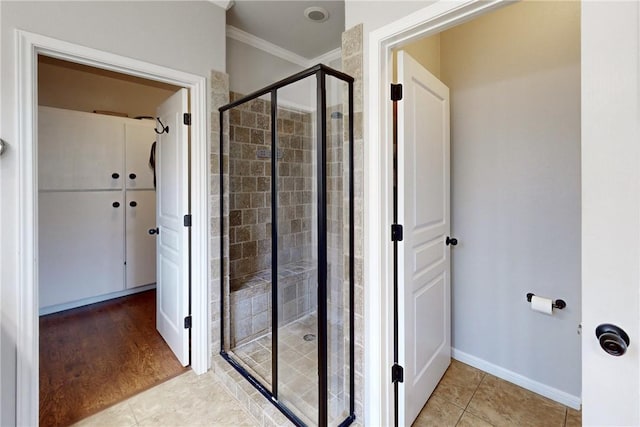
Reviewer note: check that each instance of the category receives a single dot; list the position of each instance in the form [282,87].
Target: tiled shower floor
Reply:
[298,369]
[298,365]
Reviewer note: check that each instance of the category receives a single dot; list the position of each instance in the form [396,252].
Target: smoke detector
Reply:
[316,14]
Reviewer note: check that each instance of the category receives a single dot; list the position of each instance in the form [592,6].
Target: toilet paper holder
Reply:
[559,304]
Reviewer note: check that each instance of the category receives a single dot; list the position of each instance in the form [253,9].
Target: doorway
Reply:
[507,163]
[98,187]
[29,46]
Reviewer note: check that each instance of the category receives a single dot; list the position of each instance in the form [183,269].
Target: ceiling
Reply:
[283,23]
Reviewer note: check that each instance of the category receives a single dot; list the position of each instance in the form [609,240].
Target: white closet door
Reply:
[173,241]
[139,138]
[81,246]
[140,208]
[79,151]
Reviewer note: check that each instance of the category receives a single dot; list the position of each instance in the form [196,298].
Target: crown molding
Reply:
[332,55]
[275,50]
[225,4]
[258,43]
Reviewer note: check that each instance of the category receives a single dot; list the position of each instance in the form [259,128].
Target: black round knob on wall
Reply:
[116,204]
[115,175]
[451,241]
[613,339]
[132,176]
[133,204]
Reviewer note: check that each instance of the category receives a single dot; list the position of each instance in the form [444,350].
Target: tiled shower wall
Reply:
[250,188]
[250,243]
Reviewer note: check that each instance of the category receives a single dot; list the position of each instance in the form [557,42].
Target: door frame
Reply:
[28,46]
[378,184]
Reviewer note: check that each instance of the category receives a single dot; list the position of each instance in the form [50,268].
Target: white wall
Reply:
[375,14]
[514,76]
[188,36]
[251,69]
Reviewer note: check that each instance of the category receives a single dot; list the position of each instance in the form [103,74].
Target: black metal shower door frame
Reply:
[321,72]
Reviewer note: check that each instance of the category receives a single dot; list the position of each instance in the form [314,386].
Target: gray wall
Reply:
[188,36]
[514,76]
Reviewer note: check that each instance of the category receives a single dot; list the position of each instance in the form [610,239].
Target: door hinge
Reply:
[187,322]
[186,119]
[396,233]
[187,220]
[397,374]
[396,92]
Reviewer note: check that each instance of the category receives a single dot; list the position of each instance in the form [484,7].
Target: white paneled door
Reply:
[172,204]
[423,209]
[610,212]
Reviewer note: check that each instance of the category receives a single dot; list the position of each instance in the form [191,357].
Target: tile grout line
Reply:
[475,391]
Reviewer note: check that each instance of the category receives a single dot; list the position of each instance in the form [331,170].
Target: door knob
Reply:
[116,204]
[451,241]
[153,231]
[115,175]
[133,203]
[612,339]
[132,176]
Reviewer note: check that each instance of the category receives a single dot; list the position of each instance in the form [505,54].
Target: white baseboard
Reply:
[517,379]
[75,304]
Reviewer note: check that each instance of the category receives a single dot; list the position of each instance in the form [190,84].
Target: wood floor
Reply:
[94,356]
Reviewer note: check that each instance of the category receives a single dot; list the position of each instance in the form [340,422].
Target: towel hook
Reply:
[165,129]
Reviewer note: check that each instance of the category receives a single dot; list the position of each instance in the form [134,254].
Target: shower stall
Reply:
[286,203]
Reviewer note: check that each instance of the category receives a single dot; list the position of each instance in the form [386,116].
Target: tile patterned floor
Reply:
[187,400]
[467,396]
[298,376]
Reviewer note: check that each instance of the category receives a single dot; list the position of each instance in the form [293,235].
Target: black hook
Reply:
[164,128]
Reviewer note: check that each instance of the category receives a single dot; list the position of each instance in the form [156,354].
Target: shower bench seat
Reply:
[250,299]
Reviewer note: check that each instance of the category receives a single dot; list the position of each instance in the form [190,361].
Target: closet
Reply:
[96,205]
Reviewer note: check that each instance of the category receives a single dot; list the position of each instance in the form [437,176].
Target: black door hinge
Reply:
[187,220]
[396,92]
[186,119]
[187,322]
[397,374]
[396,233]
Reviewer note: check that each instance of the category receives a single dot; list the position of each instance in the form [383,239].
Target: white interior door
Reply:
[172,203]
[610,209]
[423,210]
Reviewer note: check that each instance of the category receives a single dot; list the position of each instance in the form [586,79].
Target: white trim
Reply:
[378,189]
[28,46]
[277,51]
[225,4]
[517,379]
[258,43]
[325,58]
[93,300]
